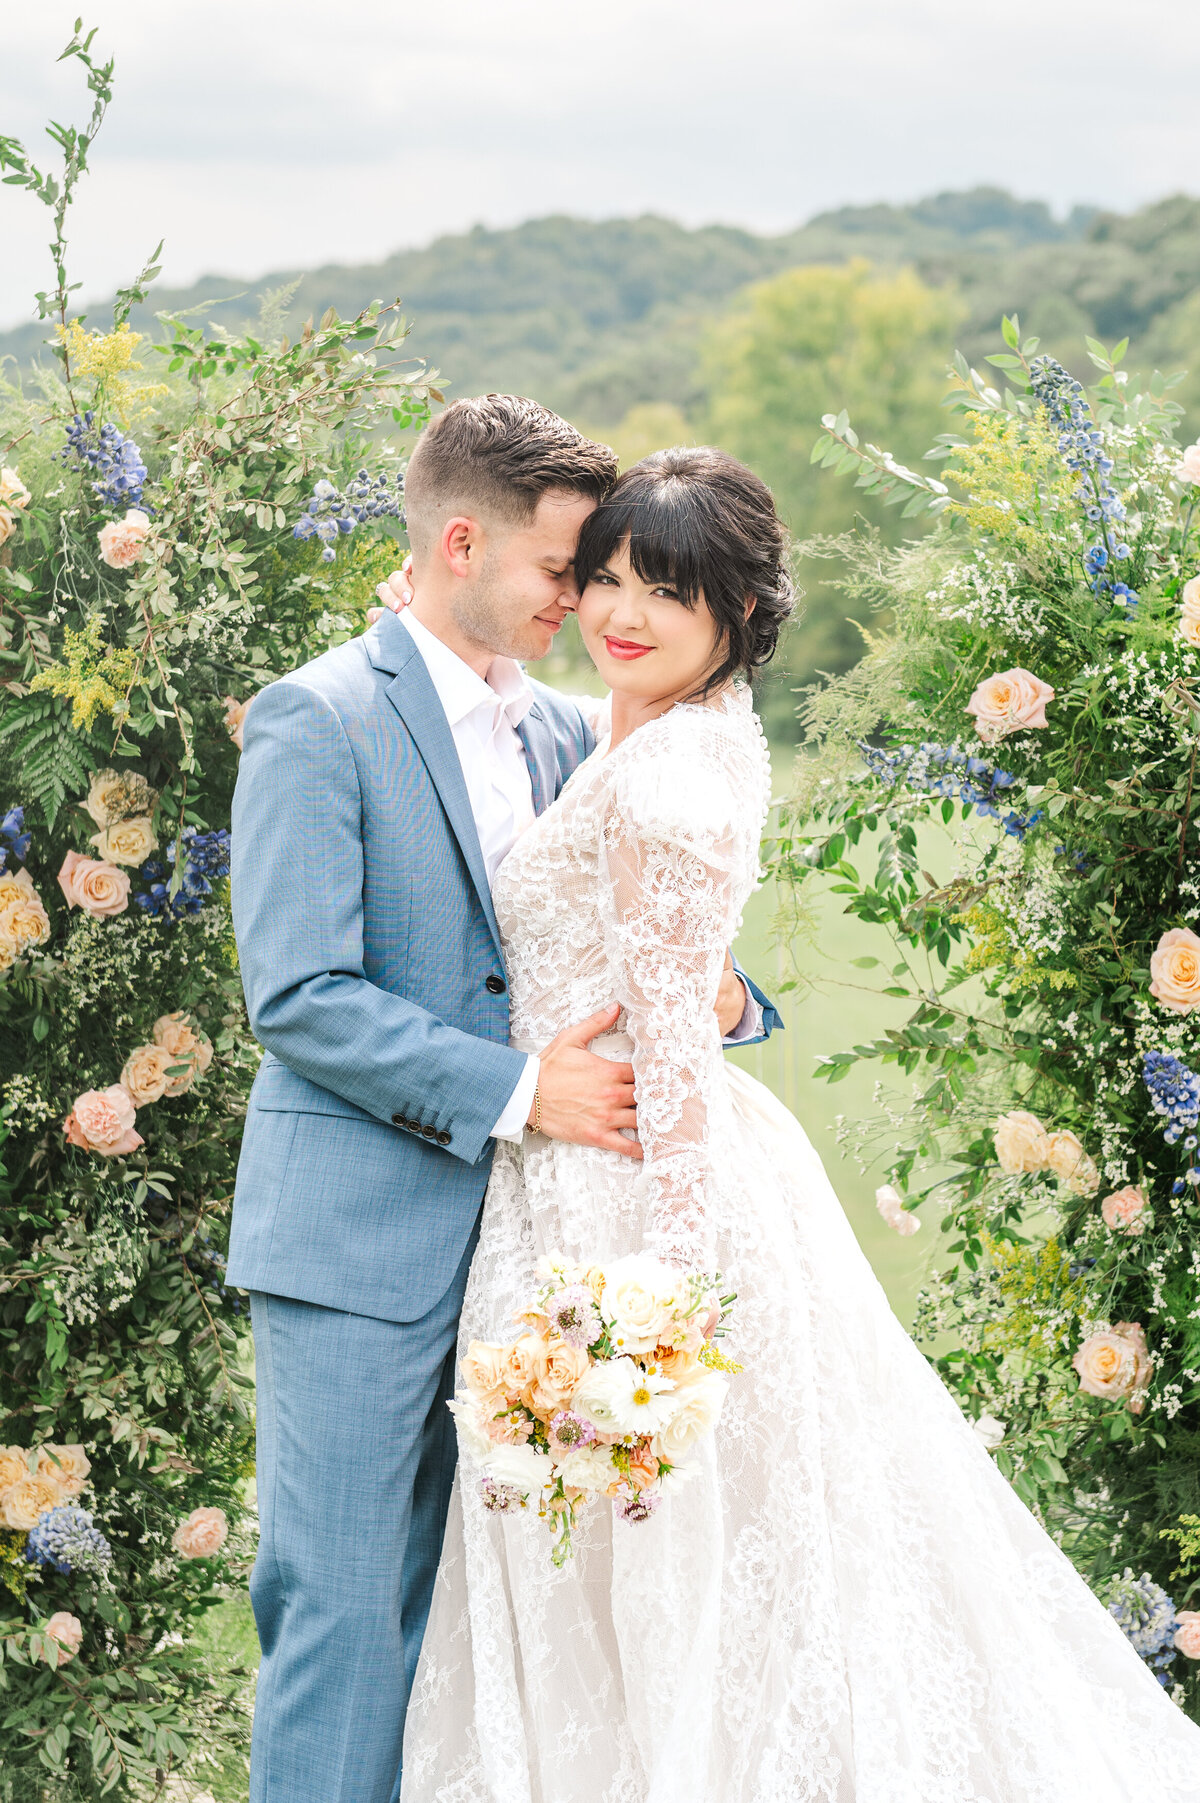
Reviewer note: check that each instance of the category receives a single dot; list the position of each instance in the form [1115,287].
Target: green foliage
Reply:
[117,1334]
[1024,946]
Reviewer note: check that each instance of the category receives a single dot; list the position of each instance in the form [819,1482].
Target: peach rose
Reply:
[24,1503]
[1115,1363]
[68,1631]
[484,1371]
[102,1121]
[126,841]
[101,890]
[890,1204]
[1187,1633]
[235,717]
[1175,970]
[1188,467]
[118,795]
[677,1362]
[643,1467]
[557,1372]
[1066,1157]
[8,525]
[23,919]
[66,1466]
[14,1463]
[1009,702]
[187,1047]
[1189,613]
[1022,1143]
[122,541]
[145,1073]
[202,1535]
[13,492]
[520,1362]
[1123,1210]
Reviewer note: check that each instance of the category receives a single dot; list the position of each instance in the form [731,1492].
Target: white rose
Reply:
[589,1468]
[697,1409]
[990,1431]
[471,1437]
[520,1467]
[1188,467]
[641,1298]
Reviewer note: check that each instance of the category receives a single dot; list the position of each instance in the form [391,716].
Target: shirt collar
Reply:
[460,689]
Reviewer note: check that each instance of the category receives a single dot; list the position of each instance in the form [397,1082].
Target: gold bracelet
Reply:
[537,1109]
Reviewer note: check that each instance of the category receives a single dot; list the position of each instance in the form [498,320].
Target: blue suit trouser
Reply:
[356,1455]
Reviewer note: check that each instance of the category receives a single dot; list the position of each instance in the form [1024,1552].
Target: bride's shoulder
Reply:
[698,770]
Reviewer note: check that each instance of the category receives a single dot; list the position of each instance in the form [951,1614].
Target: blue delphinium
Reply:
[951,771]
[67,1539]
[113,457]
[207,860]
[1082,446]
[1175,1095]
[1146,1616]
[329,514]
[16,839]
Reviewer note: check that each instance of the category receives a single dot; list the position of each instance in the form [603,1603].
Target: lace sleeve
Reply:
[680,856]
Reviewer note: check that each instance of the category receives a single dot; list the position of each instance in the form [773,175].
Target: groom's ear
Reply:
[462,545]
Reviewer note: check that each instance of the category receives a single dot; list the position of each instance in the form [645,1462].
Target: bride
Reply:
[848,1604]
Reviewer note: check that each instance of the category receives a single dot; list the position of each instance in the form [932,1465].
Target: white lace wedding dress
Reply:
[849,1604]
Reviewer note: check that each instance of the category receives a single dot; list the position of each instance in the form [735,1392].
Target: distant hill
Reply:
[593,317]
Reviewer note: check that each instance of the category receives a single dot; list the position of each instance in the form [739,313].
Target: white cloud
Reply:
[289,133]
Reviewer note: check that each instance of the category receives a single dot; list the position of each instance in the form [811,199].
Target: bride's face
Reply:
[641,637]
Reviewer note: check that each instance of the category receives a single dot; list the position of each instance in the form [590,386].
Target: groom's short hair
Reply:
[495,456]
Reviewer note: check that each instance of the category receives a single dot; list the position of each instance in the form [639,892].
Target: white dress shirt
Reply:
[483,715]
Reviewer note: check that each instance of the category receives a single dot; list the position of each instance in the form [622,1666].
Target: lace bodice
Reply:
[632,889]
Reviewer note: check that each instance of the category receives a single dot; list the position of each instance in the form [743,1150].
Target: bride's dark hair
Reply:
[697,518]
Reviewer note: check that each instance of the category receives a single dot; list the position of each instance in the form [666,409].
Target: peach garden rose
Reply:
[1066,1157]
[1009,702]
[13,492]
[68,1631]
[1187,1633]
[1022,1143]
[176,1034]
[126,841]
[557,1372]
[1175,970]
[122,541]
[25,1502]
[14,1463]
[66,1466]
[118,795]
[145,1073]
[235,717]
[102,1121]
[8,525]
[202,1535]
[1115,1364]
[23,919]
[100,889]
[1122,1211]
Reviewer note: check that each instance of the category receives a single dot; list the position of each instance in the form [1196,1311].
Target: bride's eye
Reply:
[667,593]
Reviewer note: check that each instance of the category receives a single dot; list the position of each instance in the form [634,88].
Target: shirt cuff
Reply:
[749,1027]
[513,1121]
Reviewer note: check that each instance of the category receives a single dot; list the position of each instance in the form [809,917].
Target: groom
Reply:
[380,787]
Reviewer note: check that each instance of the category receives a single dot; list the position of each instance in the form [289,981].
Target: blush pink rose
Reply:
[1009,702]
[1115,1363]
[68,1631]
[1187,1634]
[102,1121]
[1123,1210]
[1175,970]
[235,717]
[99,888]
[1188,467]
[1189,612]
[122,541]
[202,1535]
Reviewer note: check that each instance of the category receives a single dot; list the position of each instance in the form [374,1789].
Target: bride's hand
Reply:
[395,593]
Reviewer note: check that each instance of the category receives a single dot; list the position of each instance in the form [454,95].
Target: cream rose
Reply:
[14,1463]
[8,525]
[1187,1632]
[1116,1363]
[186,1046]
[101,890]
[102,1121]
[557,1372]
[1189,613]
[890,1204]
[1188,467]
[24,1503]
[1123,1210]
[1022,1143]
[1009,702]
[589,1468]
[126,841]
[641,1298]
[202,1535]
[122,541]
[696,1407]
[485,1373]
[23,919]
[66,1466]
[1066,1157]
[235,717]
[145,1073]
[13,492]
[118,795]
[1175,970]
[68,1631]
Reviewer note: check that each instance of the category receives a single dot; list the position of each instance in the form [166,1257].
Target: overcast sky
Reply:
[261,134]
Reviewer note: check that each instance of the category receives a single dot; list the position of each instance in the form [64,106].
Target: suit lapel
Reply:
[411,692]
[541,757]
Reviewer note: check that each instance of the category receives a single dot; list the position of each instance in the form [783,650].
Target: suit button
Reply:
[429,1132]
[443,1138]
[495,985]
[398,1120]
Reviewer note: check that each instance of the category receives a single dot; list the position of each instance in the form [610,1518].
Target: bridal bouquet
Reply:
[614,1381]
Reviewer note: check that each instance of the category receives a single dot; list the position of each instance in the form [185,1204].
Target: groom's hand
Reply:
[584,1098]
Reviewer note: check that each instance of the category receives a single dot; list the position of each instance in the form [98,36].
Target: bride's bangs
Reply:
[662,523]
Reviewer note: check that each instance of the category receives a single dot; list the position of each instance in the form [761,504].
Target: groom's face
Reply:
[525,586]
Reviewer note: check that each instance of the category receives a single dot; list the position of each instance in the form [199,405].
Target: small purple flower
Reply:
[638,1507]
[569,1431]
[574,1314]
[501,1499]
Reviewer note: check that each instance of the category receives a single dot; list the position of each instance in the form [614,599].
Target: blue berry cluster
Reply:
[951,771]
[207,860]
[14,836]
[1146,1616]
[111,455]
[330,514]
[1175,1095]
[67,1539]
[1082,445]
